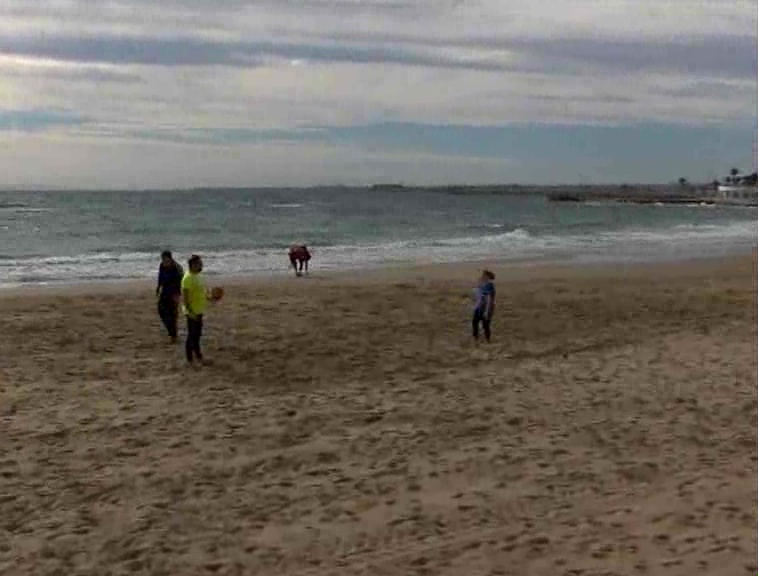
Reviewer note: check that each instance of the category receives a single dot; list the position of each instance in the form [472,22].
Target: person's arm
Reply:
[160,282]
[187,296]
[491,302]
[186,300]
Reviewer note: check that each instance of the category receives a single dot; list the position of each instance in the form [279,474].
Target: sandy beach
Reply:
[347,425]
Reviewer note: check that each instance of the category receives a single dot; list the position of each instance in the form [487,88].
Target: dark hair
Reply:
[166,254]
[488,274]
[194,259]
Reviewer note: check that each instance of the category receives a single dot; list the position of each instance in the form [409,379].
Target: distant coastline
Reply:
[508,188]
[713,193]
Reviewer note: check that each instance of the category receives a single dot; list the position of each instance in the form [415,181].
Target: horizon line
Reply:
[379,185]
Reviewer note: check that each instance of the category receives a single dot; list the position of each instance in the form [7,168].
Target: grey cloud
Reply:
[715,55]
[725,56]
[75,75]
[706,89]
[599,99]
[198,52]
[99,12]
[121,50]
[718,56]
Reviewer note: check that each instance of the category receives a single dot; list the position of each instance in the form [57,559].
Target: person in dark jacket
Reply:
[168,292]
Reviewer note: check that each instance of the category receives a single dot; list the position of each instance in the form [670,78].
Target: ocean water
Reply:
[50,237]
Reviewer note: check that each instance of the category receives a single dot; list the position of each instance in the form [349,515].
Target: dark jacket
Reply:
[170,280]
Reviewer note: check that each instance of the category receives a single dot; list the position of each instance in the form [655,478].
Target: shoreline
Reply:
[534,268]
[515,246]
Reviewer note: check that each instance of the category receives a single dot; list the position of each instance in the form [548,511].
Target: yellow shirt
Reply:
[193,284]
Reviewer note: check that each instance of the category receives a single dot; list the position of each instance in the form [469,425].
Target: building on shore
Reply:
[738,194]
[738,189]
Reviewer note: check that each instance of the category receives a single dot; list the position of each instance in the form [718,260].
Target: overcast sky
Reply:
[182,93]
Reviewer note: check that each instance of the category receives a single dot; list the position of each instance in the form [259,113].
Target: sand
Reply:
[348,425]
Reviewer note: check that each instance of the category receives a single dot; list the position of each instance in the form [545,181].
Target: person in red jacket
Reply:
[299,257]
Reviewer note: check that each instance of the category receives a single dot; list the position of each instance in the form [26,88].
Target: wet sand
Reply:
[347,425]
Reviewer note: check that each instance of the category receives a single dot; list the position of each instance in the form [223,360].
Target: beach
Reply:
[348,425]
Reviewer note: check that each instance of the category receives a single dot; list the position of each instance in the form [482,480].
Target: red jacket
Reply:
[299,253]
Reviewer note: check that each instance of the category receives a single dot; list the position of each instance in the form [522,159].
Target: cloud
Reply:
[711,89]
[714,56]
[197,52]
[431,18]
[710,54]
[392,78]
[26,68]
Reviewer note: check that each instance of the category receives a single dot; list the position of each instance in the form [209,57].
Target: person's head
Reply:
[166,257]
[487,276]
[195,263]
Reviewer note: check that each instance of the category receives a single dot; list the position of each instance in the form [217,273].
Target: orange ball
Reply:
[217,293]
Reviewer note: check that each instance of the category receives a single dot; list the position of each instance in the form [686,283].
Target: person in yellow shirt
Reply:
[195,302]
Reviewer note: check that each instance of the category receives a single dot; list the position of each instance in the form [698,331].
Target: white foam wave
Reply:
[697,239]
[22,210]
[293,205]
[514,236]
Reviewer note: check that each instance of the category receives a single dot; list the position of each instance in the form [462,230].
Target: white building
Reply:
[738,194]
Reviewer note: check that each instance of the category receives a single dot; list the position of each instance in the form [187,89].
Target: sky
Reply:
[100,94]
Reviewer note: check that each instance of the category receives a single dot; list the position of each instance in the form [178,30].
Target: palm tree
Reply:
[734,172]
[682,181]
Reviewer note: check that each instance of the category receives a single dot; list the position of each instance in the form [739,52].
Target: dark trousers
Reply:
[194,332]
[480,318]
[168,310]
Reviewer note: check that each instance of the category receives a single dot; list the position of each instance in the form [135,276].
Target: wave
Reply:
[82,260]
[22,210]
[693,231]
[519,234]
[519,243]
[599,203]
[293,205]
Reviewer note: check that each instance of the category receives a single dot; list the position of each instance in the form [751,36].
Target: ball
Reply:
[217,293]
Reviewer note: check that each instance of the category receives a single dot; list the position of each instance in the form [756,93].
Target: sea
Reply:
[58,237]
